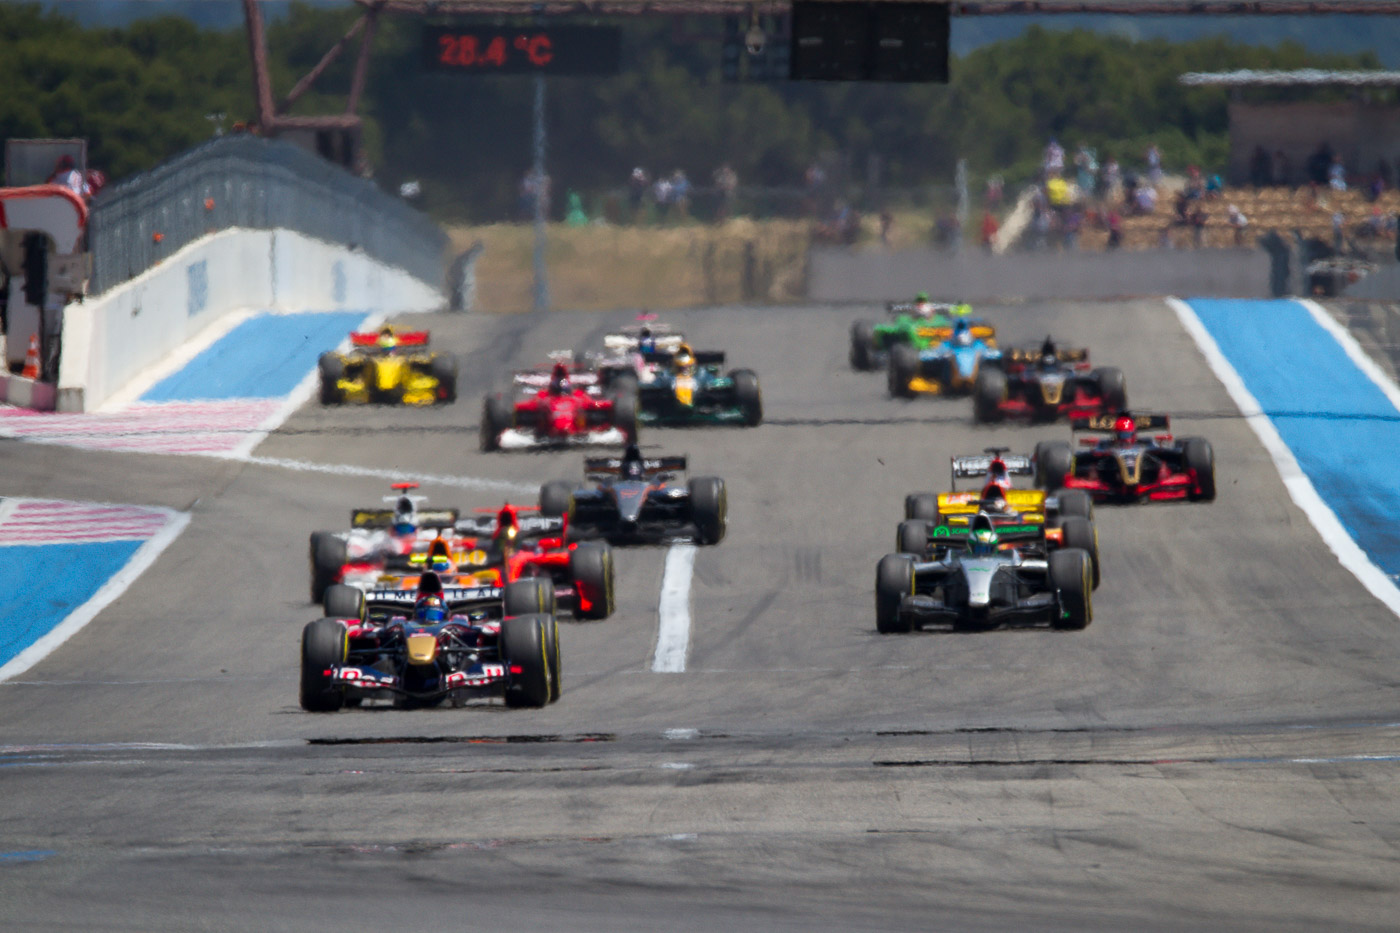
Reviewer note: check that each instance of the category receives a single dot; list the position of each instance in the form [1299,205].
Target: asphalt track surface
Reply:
[1218,750]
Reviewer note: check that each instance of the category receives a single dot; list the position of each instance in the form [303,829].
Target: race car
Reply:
[920,324]
[559,409]
[1118,465]
[692,389]
[983,576]
[1046,383]
[949,368]
[391,365]
[634,356]
[1061,520]
[639,500]
[496,548]
[435,643]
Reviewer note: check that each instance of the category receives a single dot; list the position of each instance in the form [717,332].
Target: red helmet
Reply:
[1125,429]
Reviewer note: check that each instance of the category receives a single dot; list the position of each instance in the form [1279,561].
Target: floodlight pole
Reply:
[541,270]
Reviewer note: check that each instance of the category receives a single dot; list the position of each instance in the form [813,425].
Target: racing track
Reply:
[1218,750]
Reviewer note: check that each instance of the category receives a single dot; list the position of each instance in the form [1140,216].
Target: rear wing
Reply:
[370,519]
[937,333]
[456,597]
[1028,504]
[1032,354]
[629,338]
[402,338]
[530,526]
[612,466]
[539,379]
[953,533]
[1103,424]
[968,466]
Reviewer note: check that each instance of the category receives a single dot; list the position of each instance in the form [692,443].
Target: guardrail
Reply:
[247,182]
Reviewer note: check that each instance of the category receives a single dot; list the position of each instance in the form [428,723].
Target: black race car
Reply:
[639,500]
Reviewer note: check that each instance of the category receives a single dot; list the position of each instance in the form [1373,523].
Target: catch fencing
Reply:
[259,184]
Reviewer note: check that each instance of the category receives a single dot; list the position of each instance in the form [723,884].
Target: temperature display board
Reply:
[506,50]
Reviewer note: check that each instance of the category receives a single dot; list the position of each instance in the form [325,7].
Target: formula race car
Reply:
[1046,383]
[633,356]
[950,367]
[920,324]
[391,365]
[1120,466]
[692,389]
[560,409]
[377,538]
[437,643]
[981,577]
[639,500]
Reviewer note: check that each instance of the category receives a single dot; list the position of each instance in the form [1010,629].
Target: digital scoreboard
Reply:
[507,50]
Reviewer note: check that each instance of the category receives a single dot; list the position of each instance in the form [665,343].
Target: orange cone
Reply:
[31,359]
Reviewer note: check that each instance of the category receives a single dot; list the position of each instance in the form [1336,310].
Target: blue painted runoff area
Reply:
[264,357]
[1342,429]
[46,582]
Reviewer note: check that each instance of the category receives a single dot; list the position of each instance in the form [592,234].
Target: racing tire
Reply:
[323,645]
[1053,464]
[1069,575]
[623,382]
[1075,503]
[327,558]
[904,366]
[624,416]
[551,654]
[331,369]
[987,395]
[922,505]
[591,566]
[894,580]
[1113,388]
[529,596]
[343,602]
[557,499]
[912,537]
[497,416]
[709,508]
[444,370]
[523,648]
[1083,534]
[748,396]
[1200,460]
[862,346]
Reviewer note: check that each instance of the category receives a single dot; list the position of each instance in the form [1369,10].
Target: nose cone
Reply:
[630,499]
[422,649]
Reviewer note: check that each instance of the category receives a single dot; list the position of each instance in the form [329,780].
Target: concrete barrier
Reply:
[109,340]
[836,274]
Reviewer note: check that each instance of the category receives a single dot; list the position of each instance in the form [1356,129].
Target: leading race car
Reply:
[983,577]
[392,365]
[951,367]
[1120,466]
[561,409]
[1045,383]
[639,500]
[692,389]
[436,643]
[920,324]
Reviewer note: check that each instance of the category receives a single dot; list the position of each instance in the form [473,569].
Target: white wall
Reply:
[109,340]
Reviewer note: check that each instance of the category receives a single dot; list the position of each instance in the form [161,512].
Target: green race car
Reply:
[919,323]
[693,389]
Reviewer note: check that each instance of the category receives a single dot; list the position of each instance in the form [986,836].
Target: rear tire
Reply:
[557,499]
[529,596]
[912,537]
[332,369]
[551,654]
[497,416]
[1069,574]
[323,646]
[987,395]
[444,370]
[1082,534]
[344,602]
[748,396]
[1054,462]
[894,580]
[623,382]
[1075,503]
[862,345]
[904,366]
[1200,459]
[327,558]
[923,505]
[709,508]
[1113,388]
[591,566]
[523,646]
[624,416]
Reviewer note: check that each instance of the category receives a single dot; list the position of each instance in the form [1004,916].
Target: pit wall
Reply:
[109,340]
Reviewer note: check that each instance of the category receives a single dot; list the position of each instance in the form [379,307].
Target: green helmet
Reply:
[921,296]
[982,541]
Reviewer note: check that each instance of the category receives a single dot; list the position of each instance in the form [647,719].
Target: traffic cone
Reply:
[31,359]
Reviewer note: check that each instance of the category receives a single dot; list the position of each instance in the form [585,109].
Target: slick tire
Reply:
[551,654]
[591,566]
[528,596]
[862,346]
[921,505]
[623,382]
[1075,503]
[904,366]
[523,647]
[331,369]
[323,646]
[497,416]
[912,537]
[444,370]
[327,555]
[987,395]
[1200,460]
[1083,534]
[1113,388]
[1054,461]
[343,602]
[709,508]
[748,396]
[1069,575]
[557,499]
[894,580]
[624,416]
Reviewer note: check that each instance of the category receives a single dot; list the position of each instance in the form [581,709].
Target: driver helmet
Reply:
[1049,355]
[962,334]
[404,523]
[684,360]
[387,340]
[632,466]
[922,306]
[430,609]
[506,531]
[1125,430]
[646,343]
[559,383]
[982,541]
[994,497]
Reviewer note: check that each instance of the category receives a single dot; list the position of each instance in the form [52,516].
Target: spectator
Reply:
[995,192]
[1260,169]
[661,193]
[1197,219]
[1337,174]
[1214,187]
[1086,167]
[1057,191]
[1073,221]
[989,230]
[1237,221]
[1283,169]
[1338,230]
[727,185]
[1115,228]
[886,225]
[680,195]
[637,185]
[1053,162]
[1154,165]
[1319,163]
[1111,179]
[1145,200]
[1375,189]
[65,174]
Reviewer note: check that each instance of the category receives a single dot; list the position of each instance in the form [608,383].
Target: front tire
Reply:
[591,566]
[922,505]
[1075,503]
[748,396]
[987,395]
[624,416]
[912,537]
[904,366]
[709,508]
[557,499]
[894,579]
[1069,574]
[1113,388]
[862,345]
[551,654]
[324,645]
[529,596]
[344,602]
[331,369]
[1054,462]
[1080,533]
[523,647]
[497,416]
[444,370]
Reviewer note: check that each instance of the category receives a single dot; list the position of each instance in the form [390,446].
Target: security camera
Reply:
[755,40]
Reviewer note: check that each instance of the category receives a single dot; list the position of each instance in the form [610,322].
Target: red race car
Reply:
[560,409]
[1045,384]
[1119,466]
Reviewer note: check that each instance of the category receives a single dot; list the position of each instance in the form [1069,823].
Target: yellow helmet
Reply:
[684,358]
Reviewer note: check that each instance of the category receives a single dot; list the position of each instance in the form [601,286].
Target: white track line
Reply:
[346,469]
[1369,368]
[673,635]
[145,555]
[1300,488]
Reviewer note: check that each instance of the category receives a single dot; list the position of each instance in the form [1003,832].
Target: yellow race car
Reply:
[391,365]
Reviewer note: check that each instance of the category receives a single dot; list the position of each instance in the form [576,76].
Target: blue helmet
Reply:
[962,334]
[404,523]
[430,610]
